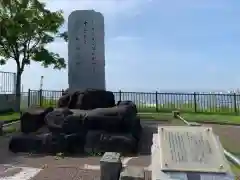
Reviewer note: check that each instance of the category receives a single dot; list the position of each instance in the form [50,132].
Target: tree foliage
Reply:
[26,27]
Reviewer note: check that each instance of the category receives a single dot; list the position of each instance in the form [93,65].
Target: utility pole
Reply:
[41,82]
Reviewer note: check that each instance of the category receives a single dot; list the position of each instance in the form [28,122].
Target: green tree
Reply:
[26,27]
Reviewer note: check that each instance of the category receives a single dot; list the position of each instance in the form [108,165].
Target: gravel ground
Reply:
[68,174]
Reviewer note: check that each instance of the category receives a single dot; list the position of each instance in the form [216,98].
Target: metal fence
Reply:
[153,102]
[7,82]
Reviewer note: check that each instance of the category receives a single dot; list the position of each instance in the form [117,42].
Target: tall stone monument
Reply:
[86,51]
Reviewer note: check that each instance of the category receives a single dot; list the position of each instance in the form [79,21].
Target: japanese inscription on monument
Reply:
[86,62]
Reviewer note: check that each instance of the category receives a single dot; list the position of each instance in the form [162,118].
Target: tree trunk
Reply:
[18,91]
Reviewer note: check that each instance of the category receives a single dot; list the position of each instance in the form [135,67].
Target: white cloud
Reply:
[110,8]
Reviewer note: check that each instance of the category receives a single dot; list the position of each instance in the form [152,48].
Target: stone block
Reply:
[176,114]
[194,124]
[132,173]
[93,141]
[110,166]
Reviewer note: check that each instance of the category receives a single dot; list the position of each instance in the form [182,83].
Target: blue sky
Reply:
[164,45]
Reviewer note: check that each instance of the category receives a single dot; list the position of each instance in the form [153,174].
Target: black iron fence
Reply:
[153,102]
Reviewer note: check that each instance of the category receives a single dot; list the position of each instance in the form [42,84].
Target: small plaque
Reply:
[193,149]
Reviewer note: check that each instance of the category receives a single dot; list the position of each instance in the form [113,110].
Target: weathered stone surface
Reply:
[132,173]
[92,141]
[100,141]
[86,54]
[110,166]
[192,149]
[118,142]
[8,172]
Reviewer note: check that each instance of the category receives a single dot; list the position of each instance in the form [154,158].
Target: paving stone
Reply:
[132,173]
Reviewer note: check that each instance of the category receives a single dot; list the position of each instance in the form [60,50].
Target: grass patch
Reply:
[156,116]
[212,118]
[194,117]
[235,169]
[9,116]
[10,129]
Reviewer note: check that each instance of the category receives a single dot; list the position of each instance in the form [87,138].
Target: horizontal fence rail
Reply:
[152,102]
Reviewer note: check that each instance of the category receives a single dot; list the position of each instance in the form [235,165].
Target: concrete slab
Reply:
[194,149]
[9,172]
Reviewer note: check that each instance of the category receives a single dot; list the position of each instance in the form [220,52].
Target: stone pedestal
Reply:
[132,173]
[110,166]
[176,114]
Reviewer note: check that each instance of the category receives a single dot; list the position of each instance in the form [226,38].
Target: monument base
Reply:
[83,89]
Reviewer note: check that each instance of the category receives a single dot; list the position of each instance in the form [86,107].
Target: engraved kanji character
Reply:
[77,56]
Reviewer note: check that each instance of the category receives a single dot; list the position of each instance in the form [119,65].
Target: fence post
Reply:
[14,82]
[120,95]
[29,97]
[195,101]
[40,97]
[1,128]
[156,98]
[235,103]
